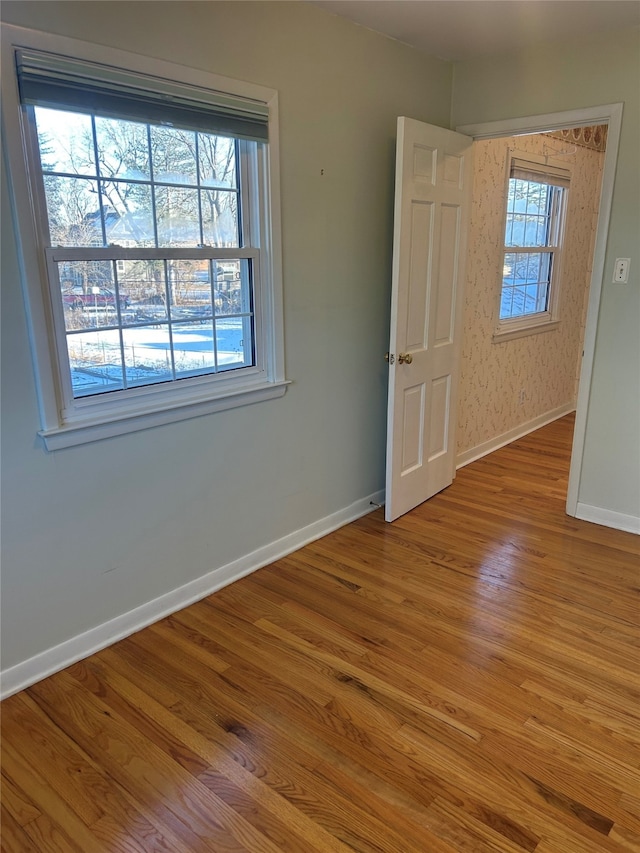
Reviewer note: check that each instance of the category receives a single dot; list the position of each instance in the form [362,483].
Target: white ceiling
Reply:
[462,29]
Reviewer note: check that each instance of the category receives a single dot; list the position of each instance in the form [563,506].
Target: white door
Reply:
[433,193]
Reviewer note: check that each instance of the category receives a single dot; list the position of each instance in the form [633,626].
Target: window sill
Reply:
[513,332]
[95,430]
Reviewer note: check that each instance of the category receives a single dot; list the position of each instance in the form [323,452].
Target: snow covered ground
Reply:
[96,357]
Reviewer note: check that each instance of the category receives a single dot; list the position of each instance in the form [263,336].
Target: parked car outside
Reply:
[76,299]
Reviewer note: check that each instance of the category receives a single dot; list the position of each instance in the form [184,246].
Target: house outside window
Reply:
[536,201]
[155,218]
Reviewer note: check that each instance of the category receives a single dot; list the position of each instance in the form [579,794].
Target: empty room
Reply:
[320,426]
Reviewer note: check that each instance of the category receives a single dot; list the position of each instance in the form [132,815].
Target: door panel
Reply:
[439,416]
[446,277]
[417,309]
[413,436]
[433,174]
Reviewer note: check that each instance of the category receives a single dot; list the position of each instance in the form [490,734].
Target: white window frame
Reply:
[543,321]
[100,416]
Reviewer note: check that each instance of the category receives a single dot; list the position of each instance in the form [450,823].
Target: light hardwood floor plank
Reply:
[464,680]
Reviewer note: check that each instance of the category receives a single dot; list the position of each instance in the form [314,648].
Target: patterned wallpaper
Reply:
[544,365]
[591,137]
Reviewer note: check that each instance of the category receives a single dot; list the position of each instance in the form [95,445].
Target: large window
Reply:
[154,212]
[131,319]
[535,205]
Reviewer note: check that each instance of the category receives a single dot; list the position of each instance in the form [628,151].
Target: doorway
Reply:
[610,116]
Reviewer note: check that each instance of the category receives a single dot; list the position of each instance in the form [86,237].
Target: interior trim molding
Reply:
[609,518]
[505,438]
[77,648]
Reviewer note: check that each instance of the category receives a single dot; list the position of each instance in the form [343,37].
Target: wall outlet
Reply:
[522,396]
[621,270]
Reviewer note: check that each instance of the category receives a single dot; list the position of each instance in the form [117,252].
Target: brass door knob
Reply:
[405,358]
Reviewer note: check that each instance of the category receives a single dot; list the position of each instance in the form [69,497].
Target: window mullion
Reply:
[103,223]
[168,300]
[199,185]
[154,215]
[213,277]
[213,280]
[125,383]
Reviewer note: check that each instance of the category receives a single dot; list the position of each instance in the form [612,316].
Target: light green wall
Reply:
[94,531]
[600,70]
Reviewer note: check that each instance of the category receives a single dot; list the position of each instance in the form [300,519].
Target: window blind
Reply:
[525,170]
[52,80]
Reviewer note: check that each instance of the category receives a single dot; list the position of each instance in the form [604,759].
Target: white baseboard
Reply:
[505,438]
[608,518]
[81,646]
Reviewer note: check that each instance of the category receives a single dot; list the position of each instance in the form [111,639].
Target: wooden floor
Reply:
[466,679]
